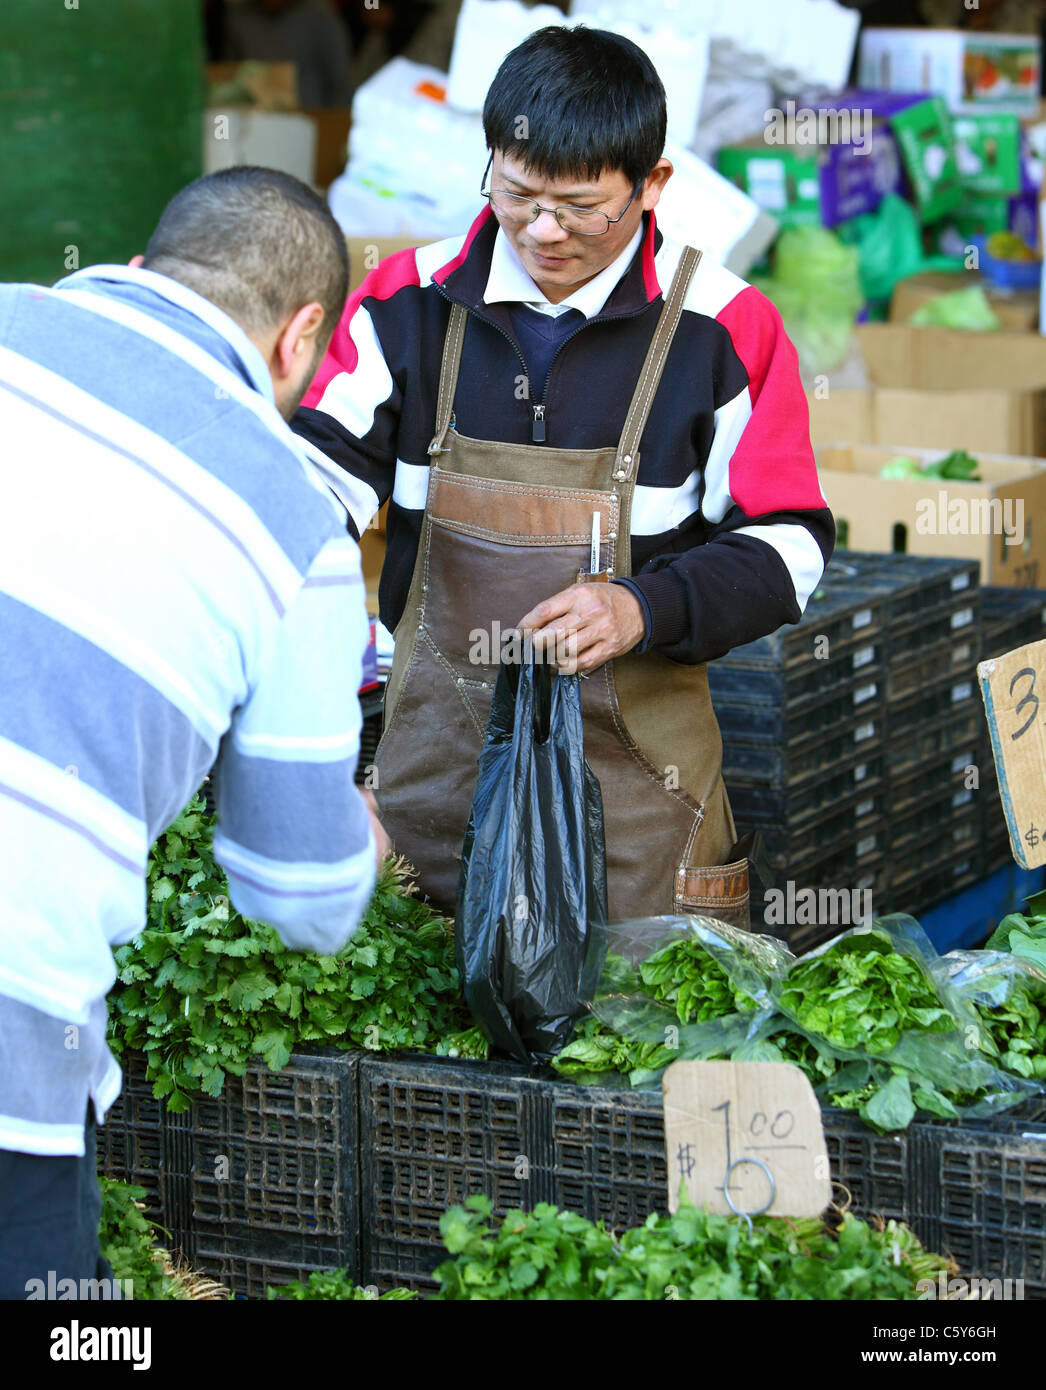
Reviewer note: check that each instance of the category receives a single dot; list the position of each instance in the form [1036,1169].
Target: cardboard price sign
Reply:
[1014,691]
[745,1137]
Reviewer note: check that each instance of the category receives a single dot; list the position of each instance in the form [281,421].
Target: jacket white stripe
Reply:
[730,422]
[411,488]
[353,397]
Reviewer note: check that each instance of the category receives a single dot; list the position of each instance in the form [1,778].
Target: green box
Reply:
[782,179]
[988,153]
[972,217]
[925,138]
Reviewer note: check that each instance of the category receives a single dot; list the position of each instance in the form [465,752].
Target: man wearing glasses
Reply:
[588,431]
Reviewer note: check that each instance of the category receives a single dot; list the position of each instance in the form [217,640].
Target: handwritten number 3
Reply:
[1030,695]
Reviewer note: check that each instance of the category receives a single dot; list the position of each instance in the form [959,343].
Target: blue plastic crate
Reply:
[966,920]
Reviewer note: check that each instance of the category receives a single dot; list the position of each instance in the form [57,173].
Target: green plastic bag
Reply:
[967,309]
[816,288]
[890,247]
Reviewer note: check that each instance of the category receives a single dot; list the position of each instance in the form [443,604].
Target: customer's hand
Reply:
[382,842]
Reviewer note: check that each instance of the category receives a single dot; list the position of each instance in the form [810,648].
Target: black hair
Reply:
[257,242]
[571,102]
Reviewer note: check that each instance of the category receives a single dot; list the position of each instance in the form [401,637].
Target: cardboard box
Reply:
[372,554]
[973,69]
[924,136]
[244,135]
[1017,310]
[815,185]
[263,86]
[1001,521]
[920,130]
[939,388]
[367,252]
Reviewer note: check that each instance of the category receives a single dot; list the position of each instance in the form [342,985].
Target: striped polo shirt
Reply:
[176,587]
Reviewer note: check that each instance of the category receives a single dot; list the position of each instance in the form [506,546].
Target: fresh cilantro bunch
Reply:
[686,974]
[549,1254]
[202,990]
[127,1239]
[862,994]
[334,1285]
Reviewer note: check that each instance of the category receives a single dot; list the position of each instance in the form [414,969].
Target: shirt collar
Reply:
[177,293]
[509,281]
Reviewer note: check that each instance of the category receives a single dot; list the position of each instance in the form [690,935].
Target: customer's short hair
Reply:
[571,102]
[256,242]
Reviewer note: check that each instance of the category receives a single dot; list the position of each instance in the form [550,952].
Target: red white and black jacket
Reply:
[730,530]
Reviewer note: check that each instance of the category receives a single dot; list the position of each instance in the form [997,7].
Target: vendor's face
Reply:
[560,261]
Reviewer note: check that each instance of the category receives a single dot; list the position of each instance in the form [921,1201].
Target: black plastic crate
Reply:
[941,824]
[956,732]
[262,1180]
[599,1152]
[372,706]
[433,1131]
[926,667]
[797,686]
[792,807]
[842,826]
[759,721]
[946,703]
[766,760]
[847,618]
[139,1144]
[982,1198]
[1011,618]
[912,586]
[938,778]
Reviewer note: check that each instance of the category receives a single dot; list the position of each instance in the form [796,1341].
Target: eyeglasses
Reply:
[514,207]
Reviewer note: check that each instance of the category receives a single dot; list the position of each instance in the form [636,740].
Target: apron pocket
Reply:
[719,890]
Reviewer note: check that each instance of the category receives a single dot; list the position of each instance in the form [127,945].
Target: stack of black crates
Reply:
[856,742]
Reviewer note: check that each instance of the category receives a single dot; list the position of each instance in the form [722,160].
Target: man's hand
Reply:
[381,839]
[586,625]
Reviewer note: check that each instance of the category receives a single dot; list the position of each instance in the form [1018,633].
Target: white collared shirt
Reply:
[508,281]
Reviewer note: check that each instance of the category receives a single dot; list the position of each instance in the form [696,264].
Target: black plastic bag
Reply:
[533,867]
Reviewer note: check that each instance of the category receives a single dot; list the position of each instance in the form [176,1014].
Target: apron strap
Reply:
[626,462]
[448,376]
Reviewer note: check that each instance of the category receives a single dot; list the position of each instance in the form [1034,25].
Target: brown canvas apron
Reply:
[507,525]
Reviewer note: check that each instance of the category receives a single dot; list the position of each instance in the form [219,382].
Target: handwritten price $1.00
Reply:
[745,1137]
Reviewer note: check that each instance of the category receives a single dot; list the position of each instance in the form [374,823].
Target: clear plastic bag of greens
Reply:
[673,988]
[1009,994]
[865,989]
[883,1002]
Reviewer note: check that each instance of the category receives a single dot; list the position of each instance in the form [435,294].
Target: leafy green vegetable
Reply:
[202,990]
[862,994]
[548,1254]
[127,1239]
[1022,935]
[686,974]
[334,1284]
[958,465]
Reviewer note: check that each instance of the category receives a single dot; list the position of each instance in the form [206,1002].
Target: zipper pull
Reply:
[537,433]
